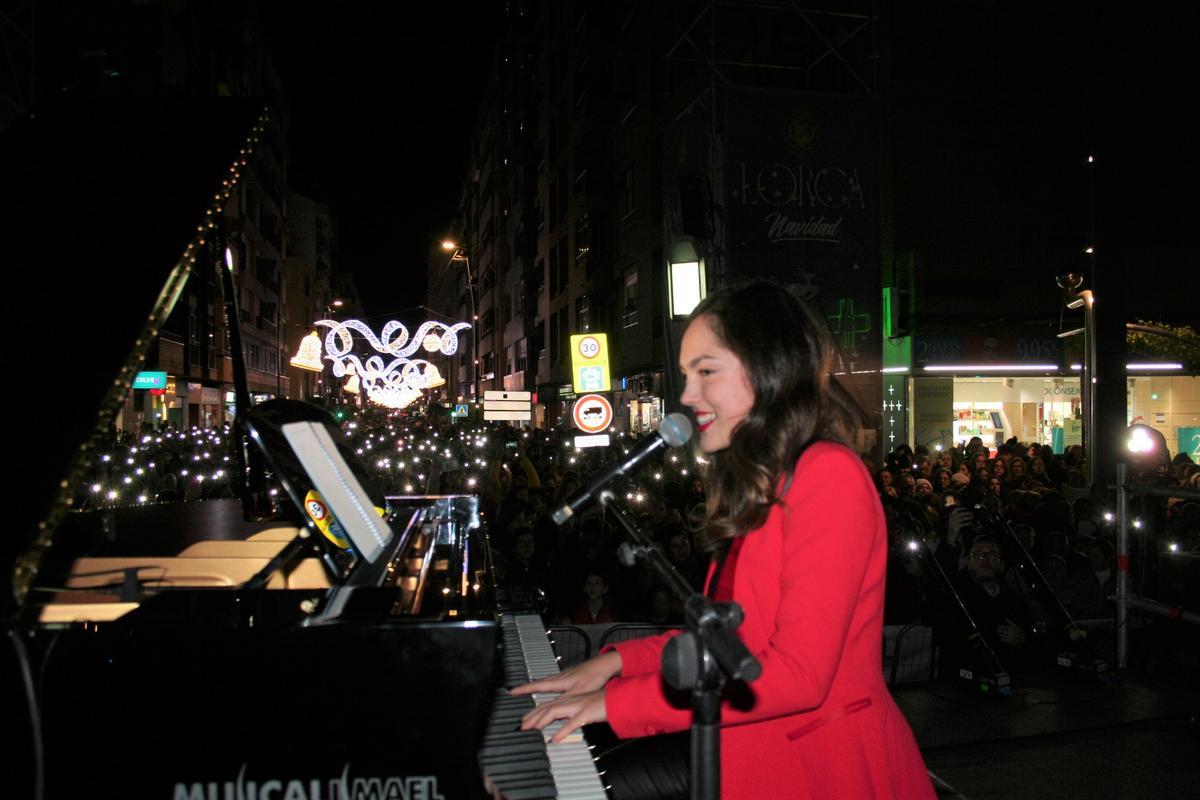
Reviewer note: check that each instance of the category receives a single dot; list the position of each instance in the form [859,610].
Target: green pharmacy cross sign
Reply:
[846,324]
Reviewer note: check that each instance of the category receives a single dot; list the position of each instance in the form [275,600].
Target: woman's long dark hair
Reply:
[786,351]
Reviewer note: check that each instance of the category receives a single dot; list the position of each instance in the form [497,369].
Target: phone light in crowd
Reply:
[912,545]
[1140,441]
[1137,523]
[1109,516]
[1145,441]
[1173,547]
[938,447]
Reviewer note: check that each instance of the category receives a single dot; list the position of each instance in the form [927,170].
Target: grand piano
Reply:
[199,650]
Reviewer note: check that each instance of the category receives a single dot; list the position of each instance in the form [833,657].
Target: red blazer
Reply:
[821,723]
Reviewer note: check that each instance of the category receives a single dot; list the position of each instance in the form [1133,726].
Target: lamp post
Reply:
[460,254]
[332,392]
[1074,298]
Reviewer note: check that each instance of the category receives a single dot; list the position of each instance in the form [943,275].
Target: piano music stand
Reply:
[701,658]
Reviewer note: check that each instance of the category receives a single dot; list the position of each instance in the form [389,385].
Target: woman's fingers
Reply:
[555,684]
[576,710]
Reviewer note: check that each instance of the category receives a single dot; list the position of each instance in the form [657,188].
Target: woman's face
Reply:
[716,385]
[994,485]
[999,468]
[943,480]
[1017,467]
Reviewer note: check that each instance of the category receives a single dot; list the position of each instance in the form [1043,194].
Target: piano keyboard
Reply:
[524,765]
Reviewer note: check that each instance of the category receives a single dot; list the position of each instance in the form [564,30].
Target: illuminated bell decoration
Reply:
[433,378]
[309,356]
[352,385]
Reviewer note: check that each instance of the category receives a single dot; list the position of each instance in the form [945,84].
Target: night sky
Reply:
[383,100]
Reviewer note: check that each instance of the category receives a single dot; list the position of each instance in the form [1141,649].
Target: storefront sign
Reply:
[933,410]
[998,349]
[1072,432]
[1189,442]
[150,380]
[1061,391]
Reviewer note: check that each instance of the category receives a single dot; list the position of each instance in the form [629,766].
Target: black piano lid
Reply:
[100,202]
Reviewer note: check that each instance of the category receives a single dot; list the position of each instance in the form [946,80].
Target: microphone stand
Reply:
[701,659]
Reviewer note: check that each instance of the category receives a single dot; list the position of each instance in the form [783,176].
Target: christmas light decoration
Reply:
[309,356]
[397,383]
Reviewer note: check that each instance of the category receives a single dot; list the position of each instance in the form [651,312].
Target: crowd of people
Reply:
[1002,526]
[994,524]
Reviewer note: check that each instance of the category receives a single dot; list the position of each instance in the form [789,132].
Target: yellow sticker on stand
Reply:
[315,507]
[327,524]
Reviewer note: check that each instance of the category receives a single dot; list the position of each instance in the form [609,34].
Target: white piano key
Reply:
[571,763]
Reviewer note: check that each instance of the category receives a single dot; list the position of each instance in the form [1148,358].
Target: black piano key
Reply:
[532,793]
[515,770]
[542,783]
[509,750]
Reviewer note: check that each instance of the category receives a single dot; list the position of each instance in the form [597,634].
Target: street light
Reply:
[460,254]
[1074,298]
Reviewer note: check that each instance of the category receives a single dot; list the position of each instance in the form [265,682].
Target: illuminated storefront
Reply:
[947,411]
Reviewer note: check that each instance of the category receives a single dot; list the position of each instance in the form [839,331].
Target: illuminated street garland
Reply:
[400,381]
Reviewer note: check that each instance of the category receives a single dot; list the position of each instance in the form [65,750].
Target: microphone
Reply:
[674,431]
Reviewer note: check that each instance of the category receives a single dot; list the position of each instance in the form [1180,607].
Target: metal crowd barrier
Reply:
[1125,598]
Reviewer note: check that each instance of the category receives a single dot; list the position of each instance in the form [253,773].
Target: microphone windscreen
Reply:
[675,429]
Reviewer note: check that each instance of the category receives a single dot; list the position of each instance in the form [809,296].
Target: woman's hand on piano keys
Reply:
[576,710]
[579,679]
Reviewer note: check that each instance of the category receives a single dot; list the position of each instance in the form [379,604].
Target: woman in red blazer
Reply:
[798,533]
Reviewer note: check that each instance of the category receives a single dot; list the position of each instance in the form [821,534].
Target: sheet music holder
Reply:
[307,451]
